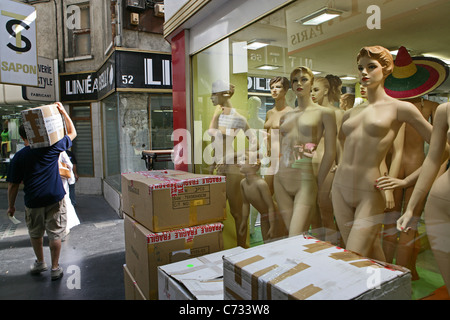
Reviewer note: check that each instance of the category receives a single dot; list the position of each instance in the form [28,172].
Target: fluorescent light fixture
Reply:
[256,44]
[316,72]
[267,67]
[320,16]
[393,52]
[348,78]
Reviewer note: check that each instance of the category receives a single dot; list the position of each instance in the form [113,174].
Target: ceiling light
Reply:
[348,78]
[320,16]
[267,67]
[256,44]
[316,72]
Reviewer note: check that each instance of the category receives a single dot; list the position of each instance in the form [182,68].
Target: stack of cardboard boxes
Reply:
[169,216]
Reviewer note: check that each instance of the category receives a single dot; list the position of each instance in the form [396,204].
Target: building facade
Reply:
[112,71]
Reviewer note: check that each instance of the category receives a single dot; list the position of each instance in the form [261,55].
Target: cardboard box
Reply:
[305,268]
[132,291]
[145,250]
[44,125]
[163,200]
[198,278]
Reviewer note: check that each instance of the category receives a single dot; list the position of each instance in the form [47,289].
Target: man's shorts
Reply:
[52,219]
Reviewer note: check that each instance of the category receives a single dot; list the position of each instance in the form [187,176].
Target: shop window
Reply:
[273,47]
[111,141]
[78,30]
[82,145]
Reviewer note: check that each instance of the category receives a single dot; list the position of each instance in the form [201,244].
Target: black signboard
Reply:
[123,69]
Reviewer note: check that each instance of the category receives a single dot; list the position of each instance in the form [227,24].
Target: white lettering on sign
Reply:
[149,74]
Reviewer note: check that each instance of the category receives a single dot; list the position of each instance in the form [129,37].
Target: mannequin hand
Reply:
[271,232]
[387,183]
[407,222]
[389,197]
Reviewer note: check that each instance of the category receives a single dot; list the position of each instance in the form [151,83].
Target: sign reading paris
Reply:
[18,52]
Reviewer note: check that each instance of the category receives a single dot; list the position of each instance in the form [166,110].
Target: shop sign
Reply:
[88,86]
[125,70]
[144,70]
[258,84]
[18,52]
[46,90]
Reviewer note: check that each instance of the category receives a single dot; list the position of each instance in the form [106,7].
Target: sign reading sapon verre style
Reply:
[18,52]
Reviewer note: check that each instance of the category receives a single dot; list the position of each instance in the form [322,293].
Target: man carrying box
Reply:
[38,169]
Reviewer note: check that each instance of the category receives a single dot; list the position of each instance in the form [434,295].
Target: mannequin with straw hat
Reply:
[367,137]
[412,78]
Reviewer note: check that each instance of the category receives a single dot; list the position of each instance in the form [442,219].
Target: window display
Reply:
[341,159]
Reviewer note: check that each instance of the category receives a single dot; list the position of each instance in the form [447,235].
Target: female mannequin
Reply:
[295,183]
[326,92]
[407,245]
[279,86]
[255,191]
[369,134]
[437,207]
[225,125]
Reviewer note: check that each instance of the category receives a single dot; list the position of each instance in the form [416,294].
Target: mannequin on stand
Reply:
[225,125]
[366,138]
[409,87]
[437,207]
[326,92]
[295,184]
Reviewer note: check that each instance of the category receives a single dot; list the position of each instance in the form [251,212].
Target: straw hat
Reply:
[414,77]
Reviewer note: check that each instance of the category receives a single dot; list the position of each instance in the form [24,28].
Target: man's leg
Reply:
[38,248]
[55,250]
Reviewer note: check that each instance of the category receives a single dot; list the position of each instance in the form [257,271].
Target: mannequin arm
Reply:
[430,167]
[245,210]
[329,156]
[267,197]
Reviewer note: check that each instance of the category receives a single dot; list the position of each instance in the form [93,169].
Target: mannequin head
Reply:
[302,80]
[347,101]
[329,87]
[279,87]
[221,92]
[381,54]
[254,103]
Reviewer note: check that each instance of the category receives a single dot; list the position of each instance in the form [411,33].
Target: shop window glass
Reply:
[278,43]
[82,145]
[111,140]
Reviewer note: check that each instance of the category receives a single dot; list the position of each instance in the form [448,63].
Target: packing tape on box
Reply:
[318,246]
[255,276]
[233,294]
[239,265]
[292,271]
[304,293]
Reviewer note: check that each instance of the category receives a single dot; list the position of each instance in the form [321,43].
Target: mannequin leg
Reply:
[437,221]
[235,203]
[366,229]
[344,212]
[284,200]
[305,206]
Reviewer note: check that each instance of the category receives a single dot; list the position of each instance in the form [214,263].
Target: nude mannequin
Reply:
[326,92]
[225,124]
[347,101]
[367,137]
[295,183]
[279,86]
[256,192]
[408,244]
[437,207]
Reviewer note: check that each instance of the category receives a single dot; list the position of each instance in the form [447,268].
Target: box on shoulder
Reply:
[43,125]
[162,200]
[146,250]
[198,278]
[304,268]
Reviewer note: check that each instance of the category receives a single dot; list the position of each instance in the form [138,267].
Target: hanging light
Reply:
[320,16]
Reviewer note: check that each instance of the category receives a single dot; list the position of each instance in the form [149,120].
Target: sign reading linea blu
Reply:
[18,53]
[125,70]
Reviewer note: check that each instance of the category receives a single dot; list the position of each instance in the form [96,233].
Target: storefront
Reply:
[14,99]
[248,43]
[122,108]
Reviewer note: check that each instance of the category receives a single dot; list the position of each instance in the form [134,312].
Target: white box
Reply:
[305,268]
[198,278]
